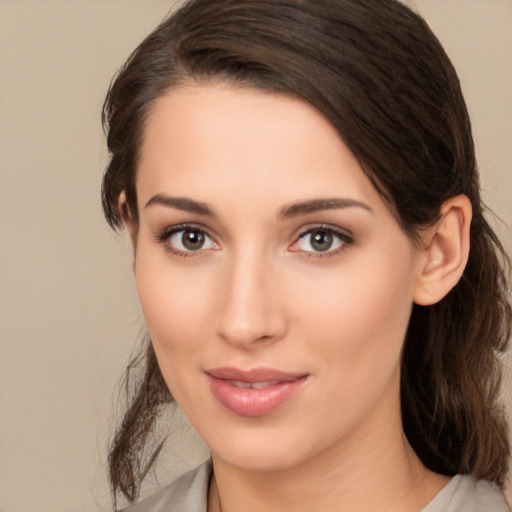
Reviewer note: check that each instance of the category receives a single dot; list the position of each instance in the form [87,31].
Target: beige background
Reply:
[68,312]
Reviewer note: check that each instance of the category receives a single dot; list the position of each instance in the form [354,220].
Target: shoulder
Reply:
[465,494]
[188,493]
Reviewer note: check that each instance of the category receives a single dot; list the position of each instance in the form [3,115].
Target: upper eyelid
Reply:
[163,235]
[304,230]
[175,228]
[298,233]
[345,238]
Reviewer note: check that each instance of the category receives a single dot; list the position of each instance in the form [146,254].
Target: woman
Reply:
[299,182]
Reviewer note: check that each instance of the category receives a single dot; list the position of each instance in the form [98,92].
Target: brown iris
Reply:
[192,240]
[321,240]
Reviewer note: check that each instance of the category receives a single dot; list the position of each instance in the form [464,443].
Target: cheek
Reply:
[176,307]
[175,302]
[353,330]
[360,315]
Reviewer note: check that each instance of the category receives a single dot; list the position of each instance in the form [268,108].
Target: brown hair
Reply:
[376,71]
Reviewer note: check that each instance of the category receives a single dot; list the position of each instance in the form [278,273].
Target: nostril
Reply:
[251,335]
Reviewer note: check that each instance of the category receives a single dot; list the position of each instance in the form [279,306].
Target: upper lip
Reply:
[253,375]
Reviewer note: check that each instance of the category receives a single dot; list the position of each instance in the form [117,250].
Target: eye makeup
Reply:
[192,240]
[186,240]
[322,240]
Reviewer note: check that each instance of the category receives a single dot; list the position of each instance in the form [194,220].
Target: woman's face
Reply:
[276,285]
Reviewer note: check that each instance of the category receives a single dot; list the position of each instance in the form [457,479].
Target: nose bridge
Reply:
[249,307]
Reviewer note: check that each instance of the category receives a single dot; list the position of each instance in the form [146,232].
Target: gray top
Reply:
[189,493]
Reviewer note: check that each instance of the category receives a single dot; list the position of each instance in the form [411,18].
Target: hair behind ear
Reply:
[451,373]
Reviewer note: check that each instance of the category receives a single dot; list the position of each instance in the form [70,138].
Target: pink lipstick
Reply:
[253,392]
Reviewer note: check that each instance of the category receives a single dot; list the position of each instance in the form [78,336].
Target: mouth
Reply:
[253,392]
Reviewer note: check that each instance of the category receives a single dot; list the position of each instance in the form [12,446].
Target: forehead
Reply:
[204,140]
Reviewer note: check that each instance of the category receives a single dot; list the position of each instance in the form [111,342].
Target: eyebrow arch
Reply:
[315,205]
[181,203]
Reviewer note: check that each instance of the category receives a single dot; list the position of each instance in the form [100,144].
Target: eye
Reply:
[322,240]
[187,239]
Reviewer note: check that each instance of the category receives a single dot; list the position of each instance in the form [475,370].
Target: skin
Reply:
[258,294]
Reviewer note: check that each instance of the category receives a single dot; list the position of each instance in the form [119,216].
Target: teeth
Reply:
[267,384]
[253,385]
[239,384]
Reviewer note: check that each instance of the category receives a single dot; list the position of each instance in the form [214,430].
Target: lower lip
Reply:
[253,402]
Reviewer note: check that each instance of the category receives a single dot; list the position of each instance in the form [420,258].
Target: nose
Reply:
[250,312]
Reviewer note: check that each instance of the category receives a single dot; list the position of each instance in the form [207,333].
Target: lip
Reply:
[235,389]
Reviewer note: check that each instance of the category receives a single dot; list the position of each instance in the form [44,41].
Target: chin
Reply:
[261,449]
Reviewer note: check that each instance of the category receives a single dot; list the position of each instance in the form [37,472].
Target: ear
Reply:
[446,250]
[129,220]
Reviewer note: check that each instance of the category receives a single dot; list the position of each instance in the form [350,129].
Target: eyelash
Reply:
[165,235]
[344,237]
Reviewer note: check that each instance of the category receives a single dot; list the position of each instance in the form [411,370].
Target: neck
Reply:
[373,469]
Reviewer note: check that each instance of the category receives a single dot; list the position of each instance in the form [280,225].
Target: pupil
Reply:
[193,240]
[321,240]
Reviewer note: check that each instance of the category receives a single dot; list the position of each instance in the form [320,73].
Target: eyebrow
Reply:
[316,205]
[286,212]
[181,203]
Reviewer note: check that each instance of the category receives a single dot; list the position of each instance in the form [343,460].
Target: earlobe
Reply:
[128,219]
[446,251]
